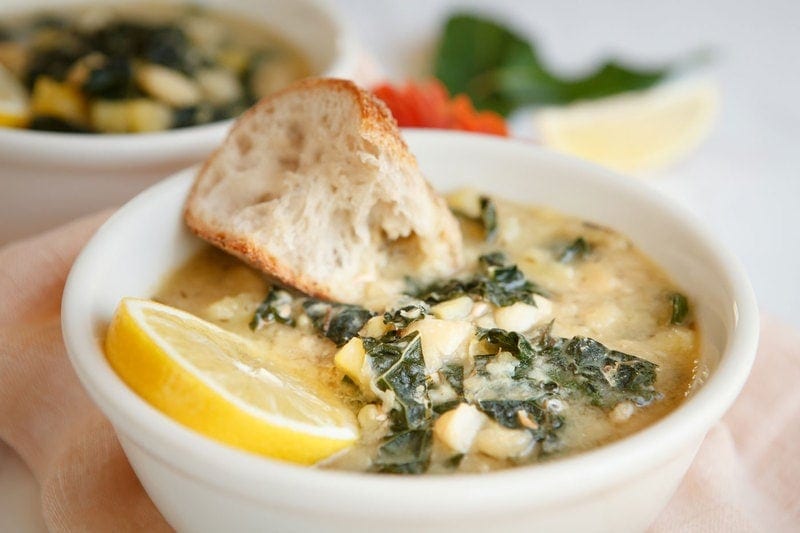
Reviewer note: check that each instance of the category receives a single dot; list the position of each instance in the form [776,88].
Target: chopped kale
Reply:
[498,282]
[50,62]
[577,249]
[408,452]
[680,309]
[606,377]
[519,414]
[337,322]
[112,79]
[510,341]
[168,45]
[399,367]
[579,366]
[43,123]
[276,307]
[454,375]
[480,363]
[441,408]
[454,461]
[411,311]
[488,218]
[578,370]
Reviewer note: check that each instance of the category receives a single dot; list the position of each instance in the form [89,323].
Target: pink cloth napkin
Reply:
[746,476]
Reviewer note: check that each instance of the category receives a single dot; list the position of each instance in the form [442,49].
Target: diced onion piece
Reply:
[167,85]
[518,316]
[219,86]
[234,59]
[442,393]
[351,359]
[58,100]
[375,327]
[455,309]
[501,442]
[458,427]
[621,412]
[504,365]
[130,116]
[147,115]
[465,201]
[443,341]
[372,421]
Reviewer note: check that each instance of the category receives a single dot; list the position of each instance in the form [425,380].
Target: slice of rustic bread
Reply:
[315,186]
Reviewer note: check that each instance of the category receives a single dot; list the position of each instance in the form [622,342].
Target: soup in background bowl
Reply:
[138,67]
[201,485]
[51,177]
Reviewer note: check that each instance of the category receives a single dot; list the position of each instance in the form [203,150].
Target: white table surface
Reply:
[744,182]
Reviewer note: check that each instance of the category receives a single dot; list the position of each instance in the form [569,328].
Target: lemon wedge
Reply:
[13,101]
[633,132]
[222,386]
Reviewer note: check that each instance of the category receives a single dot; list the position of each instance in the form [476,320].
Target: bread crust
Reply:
[377,126]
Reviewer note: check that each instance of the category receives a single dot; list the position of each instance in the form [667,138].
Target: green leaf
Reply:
[579,367]
[509,341]
[410,311]
[680,309]
[276,307]
[500,71]
[499,282]
[408,452]
[511,413]
[606,377]
[577,249]
[338,322]
[399,367]
[488,218]
[454,375]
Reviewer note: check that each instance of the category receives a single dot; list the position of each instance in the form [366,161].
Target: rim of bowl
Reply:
[113,149]
[236,470]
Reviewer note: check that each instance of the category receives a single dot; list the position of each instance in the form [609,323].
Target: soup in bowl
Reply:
[616,476]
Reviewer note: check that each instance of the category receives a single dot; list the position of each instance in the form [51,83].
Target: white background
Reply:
[744,181]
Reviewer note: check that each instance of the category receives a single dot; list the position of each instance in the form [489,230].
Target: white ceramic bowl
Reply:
[48,178]
[201,485]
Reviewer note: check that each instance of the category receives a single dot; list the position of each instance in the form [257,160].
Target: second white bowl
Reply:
[49,178]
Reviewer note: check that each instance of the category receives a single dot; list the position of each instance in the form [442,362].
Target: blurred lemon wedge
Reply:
[633,132]
[13,101]
[223,386]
